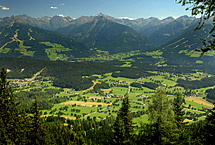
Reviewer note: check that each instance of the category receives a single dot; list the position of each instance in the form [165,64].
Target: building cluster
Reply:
[114,96]
[142,96]
[20,83]
[144,104]
[119,83]
[71,93]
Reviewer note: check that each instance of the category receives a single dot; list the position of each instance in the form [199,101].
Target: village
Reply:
[99,105]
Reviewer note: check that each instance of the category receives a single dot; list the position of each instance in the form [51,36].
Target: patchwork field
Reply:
[199,100]
[87,103]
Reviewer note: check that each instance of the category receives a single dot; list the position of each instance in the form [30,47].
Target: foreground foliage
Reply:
[17,127]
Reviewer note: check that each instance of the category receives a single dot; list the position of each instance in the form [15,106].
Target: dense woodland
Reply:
[203,83]
[149,85]
[46,99]
[211,95]
[60,71]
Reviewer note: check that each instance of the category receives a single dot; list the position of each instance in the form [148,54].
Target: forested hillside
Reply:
[182,50]
[22,40]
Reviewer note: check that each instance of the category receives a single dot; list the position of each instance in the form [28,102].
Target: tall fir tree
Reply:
[209,128]
[12,121]
[38,133]
[178,109]
[179,119]
[161,117]
[123,126]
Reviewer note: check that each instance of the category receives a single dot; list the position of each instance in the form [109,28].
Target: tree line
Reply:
[196,84]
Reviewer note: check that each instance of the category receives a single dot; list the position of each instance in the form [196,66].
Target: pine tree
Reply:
[123,129]
[178,109]
[12,123]
[209,128]
[38,133]
[161,118]
[3,135]
[178,117]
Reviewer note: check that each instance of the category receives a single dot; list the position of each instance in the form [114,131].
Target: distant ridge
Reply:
[105,34]
[160,31]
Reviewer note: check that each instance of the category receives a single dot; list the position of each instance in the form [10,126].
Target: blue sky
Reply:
[77,8]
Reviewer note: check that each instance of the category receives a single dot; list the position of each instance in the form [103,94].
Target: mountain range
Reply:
[159,31]
[106,35]
[66,38]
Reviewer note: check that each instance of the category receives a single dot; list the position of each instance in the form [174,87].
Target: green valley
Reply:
[103,97]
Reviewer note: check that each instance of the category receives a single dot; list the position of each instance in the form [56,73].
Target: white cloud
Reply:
[62,4]
[54,8]
[127,18]
[5,8]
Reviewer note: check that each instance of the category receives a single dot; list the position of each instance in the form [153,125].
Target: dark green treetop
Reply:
[123,129]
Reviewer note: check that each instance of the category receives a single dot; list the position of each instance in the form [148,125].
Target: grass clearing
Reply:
[196,105]
[119,90]
[127,64]
[106,90]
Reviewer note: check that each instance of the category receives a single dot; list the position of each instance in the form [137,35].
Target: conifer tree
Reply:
[161,118]
[209,128]
[123,129]
[178,109]
[38,131]
[11,120]
[178,118]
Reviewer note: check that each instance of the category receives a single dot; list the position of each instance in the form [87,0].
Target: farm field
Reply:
[199,100]
[84,103]
[92,103]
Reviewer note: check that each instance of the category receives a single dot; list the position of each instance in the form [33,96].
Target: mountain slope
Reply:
[21,40]
[172,30]
[107,35]
[182,50]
